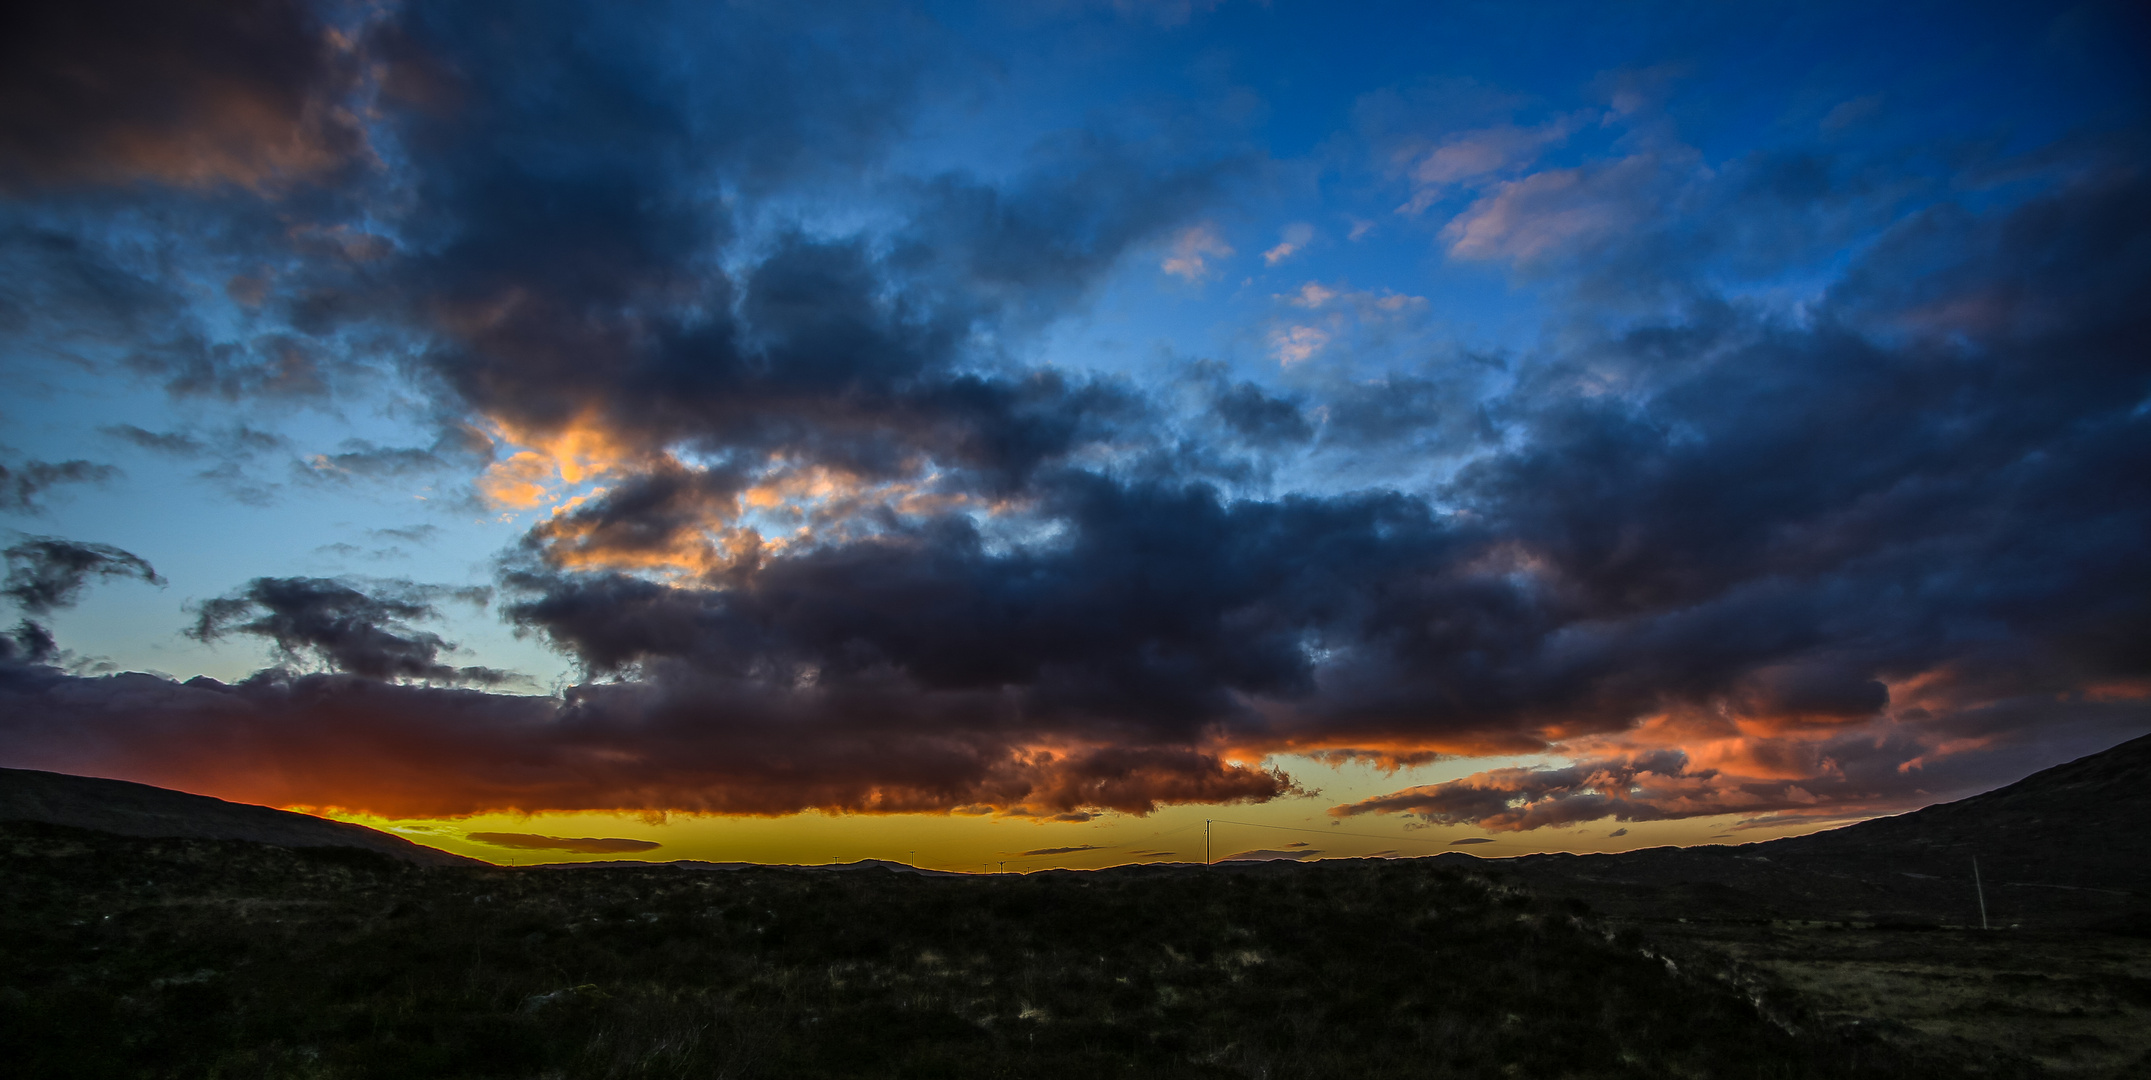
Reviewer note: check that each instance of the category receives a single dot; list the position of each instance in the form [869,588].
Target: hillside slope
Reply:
[2061,848]
[129,809]
[2077,824]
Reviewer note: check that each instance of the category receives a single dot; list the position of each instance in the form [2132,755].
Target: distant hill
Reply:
[2063,847]
[129,809]
[2081,823]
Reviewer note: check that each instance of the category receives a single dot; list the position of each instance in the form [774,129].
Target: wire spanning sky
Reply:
[1025,429]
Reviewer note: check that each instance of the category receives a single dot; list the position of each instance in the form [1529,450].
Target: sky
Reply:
[1061,433]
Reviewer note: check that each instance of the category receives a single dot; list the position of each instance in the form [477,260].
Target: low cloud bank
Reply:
[587,845]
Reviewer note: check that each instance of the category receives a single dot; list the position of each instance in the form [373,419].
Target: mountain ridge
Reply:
[126,808]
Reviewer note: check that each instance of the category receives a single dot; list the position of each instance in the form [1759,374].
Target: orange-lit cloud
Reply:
[545,463]
[189,93]
[398,750]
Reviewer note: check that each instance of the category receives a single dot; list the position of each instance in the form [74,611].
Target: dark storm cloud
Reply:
[721,746]
[1260,419]
[46,572]
[1770,522]
[562,271]
[586,845]
[175,443]
[1775,534]
[1167,605]
[29,643]
[22,485]
[1406,412]
[365,633]
[190,92]
[617,313]
[1911,517]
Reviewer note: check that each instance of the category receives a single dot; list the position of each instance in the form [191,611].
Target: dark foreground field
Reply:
[123,956]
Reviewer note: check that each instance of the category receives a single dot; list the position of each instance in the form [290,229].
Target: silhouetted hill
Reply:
[2081,823]
[130,809]
[2061,848]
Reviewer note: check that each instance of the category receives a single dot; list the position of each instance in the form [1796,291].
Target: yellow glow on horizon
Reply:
[980,843]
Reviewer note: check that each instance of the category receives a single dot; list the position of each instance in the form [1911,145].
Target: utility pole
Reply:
[1982,890]
[1206,859]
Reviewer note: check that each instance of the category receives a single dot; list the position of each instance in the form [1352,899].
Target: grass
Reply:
[174,958]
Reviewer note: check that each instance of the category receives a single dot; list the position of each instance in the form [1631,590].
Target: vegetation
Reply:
[228,959]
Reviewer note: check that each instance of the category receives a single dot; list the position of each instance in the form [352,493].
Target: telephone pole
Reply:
[1982,891]
[1206,859]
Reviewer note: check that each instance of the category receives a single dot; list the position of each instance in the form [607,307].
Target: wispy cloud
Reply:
[585,845]
[1192,252]
[1059,850]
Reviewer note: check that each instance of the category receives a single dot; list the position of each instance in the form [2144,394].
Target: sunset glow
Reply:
[1002,436]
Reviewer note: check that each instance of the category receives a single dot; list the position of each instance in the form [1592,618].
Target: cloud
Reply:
[174,443]
[344,628]
[413,534]
[1296,237]
[1268,855]
[22,485]
[191,93]
[1337,318]
[1191,251]
[236,442]
[46,572]
[1470,158]
[1060,850]
[1259,419]
[821,532]
[1558,211]
[717,746]
[1297,344]
[363,460]
[1471,840]
[587,845]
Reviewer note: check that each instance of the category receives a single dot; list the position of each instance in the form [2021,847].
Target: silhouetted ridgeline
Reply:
[129,809]
[2064,848]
